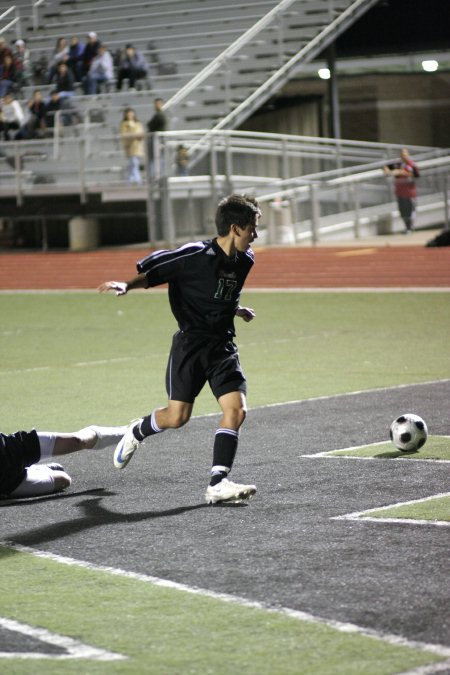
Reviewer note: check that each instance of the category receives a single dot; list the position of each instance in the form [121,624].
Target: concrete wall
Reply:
[388,108]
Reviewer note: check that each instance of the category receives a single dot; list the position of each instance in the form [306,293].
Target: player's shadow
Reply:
[26,501]
[96,515]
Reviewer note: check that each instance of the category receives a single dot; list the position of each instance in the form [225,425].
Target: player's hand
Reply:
[120,287]
[245,313]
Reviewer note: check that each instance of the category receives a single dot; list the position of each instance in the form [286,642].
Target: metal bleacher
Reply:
[214,64]
[207,58]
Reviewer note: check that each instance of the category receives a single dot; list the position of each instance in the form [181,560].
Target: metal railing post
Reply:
[228,165]
[56,133]
[213,169]
[315,213]
[150,196]
[35,4]
[354,189]
[82,164]
[18,171]
[446,206]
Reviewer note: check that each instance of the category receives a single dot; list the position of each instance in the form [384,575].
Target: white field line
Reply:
[248,289]
[429,670]
[363,515]
[332,454]
[397,640]
[327,397]
[74,648]
[397,521]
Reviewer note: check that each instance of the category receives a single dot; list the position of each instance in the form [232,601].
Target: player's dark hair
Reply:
[240,210]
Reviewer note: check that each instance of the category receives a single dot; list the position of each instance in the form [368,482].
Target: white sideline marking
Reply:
[361,515]
[352,393]
[329,453]
[248,289]
[428,670]
[327,397]
[441,650]
[74,648]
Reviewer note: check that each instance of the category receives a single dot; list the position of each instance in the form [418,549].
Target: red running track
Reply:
[322,267]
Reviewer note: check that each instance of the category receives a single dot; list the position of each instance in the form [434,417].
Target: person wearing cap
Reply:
[22,57]
[90,51]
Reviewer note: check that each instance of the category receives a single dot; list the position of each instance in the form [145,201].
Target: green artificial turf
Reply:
[433,509]
[164,630]
[72,358]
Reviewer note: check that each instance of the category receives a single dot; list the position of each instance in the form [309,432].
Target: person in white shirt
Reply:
[11,116]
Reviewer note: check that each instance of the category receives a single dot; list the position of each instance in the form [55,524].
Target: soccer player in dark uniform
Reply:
[205,279]
[20,473]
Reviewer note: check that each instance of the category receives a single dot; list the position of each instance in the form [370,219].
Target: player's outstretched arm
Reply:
[122,287]
[245,313]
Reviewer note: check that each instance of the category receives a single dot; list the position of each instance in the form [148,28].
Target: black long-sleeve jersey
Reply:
[204,284]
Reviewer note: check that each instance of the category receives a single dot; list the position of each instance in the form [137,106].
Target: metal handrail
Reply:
[313,47]
[15,22]
[220,60]
[34,10]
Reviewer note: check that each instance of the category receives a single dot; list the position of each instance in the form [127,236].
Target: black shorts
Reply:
[17,451]
[194,360]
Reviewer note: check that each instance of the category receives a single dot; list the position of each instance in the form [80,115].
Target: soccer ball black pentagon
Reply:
[408,432]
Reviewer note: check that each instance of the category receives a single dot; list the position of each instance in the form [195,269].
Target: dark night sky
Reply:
[395,26]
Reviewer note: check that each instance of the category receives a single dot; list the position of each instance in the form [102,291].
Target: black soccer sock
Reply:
[147,427]
[224,452]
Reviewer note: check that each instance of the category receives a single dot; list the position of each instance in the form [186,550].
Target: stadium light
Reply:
[430,66]
[324,73]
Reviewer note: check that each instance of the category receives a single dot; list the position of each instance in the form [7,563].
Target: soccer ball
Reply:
[408,432]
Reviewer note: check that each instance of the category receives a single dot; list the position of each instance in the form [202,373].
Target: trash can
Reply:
[83,233]
[280,229]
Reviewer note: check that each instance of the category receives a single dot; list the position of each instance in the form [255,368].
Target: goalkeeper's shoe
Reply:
[229,492]
[127,446]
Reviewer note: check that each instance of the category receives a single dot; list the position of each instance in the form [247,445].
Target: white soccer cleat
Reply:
[126,447]
[227,491]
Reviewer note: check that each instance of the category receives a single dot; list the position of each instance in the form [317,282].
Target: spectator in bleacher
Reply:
[132,133]
[100,72]
[59,103]
[158,122]
[34,126]
[60,55]
[21,56]
[10,76]
[404,172]
[131,66]
[75,58]
[182,160]
[4,50]
[12,116]
[90,51]
[63,80]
